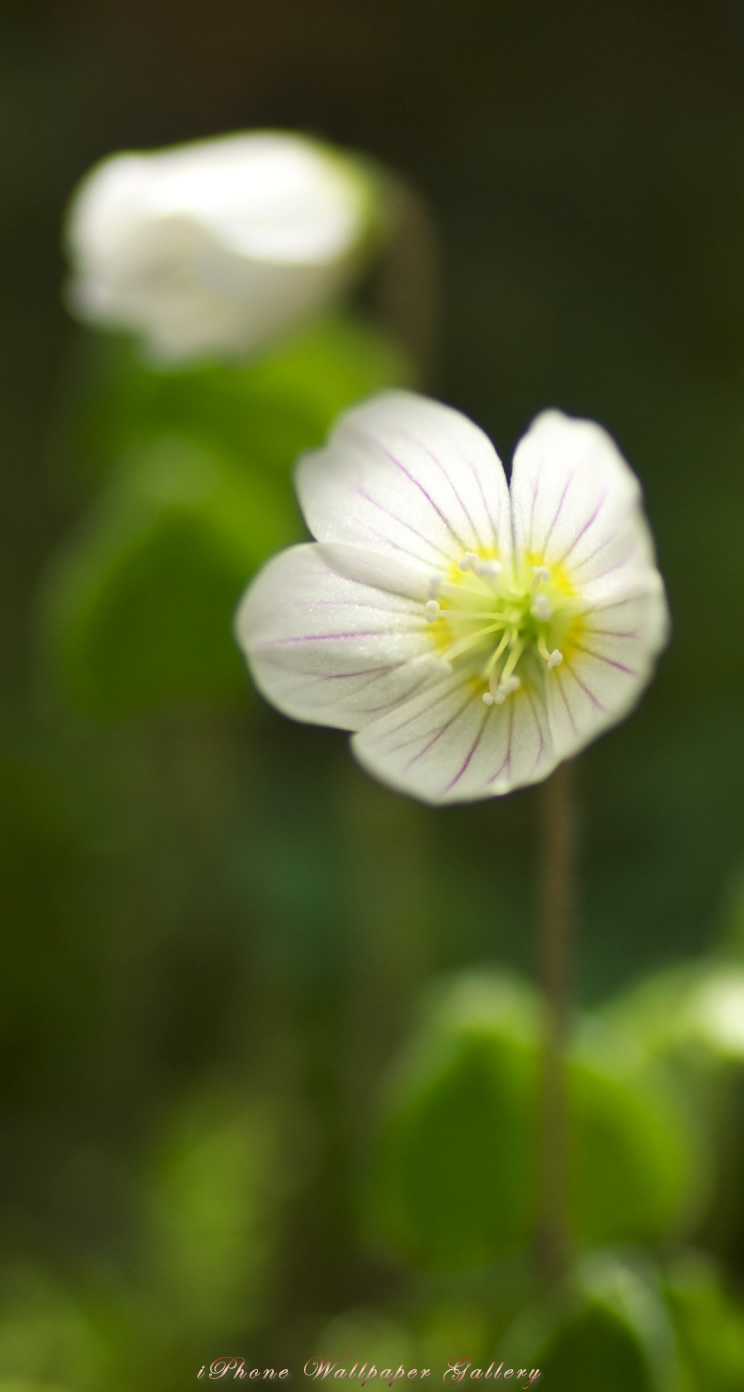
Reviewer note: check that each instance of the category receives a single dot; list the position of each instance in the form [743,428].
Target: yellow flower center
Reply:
[507,623]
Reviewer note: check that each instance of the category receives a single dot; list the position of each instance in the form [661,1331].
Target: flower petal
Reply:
[222,302]
[405,474]
[218,246]
[608,665]
[268,195]
[576,502]
[630,606]
[110,202]
[445,745]
[335,636]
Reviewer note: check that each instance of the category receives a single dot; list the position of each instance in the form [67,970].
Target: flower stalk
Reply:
[555,928]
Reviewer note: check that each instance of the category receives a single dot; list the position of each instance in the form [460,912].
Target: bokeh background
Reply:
[269,1040]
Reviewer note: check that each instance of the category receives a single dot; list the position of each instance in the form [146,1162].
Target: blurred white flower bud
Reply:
[219,247]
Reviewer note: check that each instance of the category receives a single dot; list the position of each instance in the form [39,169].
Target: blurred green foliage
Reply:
[613,1328]
[140,607]
[456,1175]
[456,1181]
[45,1332]
[708,1321]
[217,1192]
[192,471]
[264,412]
[695,1009]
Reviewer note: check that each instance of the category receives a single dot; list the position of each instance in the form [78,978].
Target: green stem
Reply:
[558,837]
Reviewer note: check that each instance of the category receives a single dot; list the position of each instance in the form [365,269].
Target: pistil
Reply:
[489,605]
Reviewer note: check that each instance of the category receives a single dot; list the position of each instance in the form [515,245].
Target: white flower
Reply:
[472,634]
[217,247]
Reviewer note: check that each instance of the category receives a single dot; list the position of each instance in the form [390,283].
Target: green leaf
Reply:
[611,1330]
[694,1010]
[139,607]
[196,495]
[265,412]
[709,1322]
[455,1176]
[636,1165]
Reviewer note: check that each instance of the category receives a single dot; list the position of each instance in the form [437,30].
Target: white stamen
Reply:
[505,689]
[488,699]
[434,586]
[556,658]
[469,561]
[539,573]
[541,607]
[431,610]
[488,570]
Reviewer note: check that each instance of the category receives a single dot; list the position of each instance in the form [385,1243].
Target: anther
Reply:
[505,689]
[488,570]
[541,607]
[469,562]
[539,573]
[431,610]
[556,658]
[488,699]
